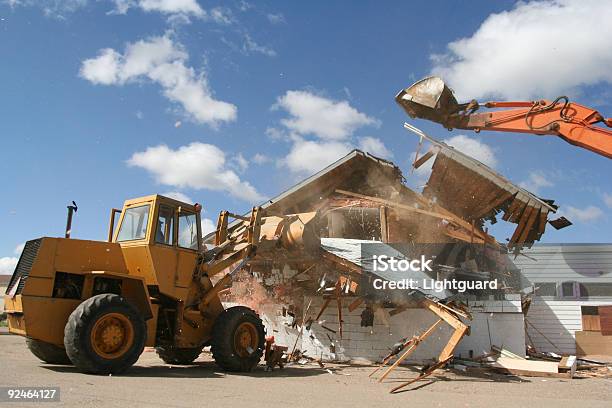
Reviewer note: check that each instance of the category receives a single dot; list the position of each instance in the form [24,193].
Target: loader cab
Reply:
[160,239]
[158,220]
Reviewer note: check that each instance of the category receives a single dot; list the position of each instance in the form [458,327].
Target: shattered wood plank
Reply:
[543,220]
[532,366]
[517,214]
[521,218]
[521,225]
[513,207]
[424,158]
[355,304]
[411,347]
[493,205]
[535,213]
[325,304]
[384,229]
[338,261]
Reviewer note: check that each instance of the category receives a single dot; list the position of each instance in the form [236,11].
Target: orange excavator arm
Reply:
[431,99]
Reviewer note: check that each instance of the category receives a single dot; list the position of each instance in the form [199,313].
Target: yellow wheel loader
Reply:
[98,304]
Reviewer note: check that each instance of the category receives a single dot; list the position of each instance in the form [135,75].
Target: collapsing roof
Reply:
[477,193]
[460,196]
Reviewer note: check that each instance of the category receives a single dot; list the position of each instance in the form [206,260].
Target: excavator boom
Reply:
[432,99]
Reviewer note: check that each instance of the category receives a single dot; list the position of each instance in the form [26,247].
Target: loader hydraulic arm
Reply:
[431,99]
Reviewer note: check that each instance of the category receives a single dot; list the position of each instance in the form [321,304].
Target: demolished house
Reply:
[326,307]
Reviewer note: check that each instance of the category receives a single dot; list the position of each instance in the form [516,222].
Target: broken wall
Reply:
[496,322]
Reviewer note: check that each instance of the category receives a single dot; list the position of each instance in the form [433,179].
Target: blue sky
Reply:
[231,102]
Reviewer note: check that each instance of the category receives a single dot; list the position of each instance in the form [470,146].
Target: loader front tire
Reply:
[238,339]
[105,335]
[178,356]
[47,352]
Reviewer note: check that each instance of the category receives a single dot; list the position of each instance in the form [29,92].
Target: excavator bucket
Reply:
[430,99]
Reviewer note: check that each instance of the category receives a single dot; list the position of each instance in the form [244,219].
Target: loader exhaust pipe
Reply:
[71,210]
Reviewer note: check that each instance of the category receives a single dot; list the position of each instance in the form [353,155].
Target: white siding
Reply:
[557,321]
[565,262]
[554,320]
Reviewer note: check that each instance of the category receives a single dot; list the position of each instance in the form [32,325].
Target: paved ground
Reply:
[152,383]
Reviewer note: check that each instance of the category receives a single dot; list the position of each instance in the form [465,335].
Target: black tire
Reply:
[178,356]
[78,335]
[223,346]
[47,352]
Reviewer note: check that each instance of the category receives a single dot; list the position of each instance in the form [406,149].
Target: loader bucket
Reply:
[428,98]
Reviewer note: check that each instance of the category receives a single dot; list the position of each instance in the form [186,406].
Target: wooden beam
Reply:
[451,218]
[421,160]
[325,304]
[355,304]
[412,346]
[384,228]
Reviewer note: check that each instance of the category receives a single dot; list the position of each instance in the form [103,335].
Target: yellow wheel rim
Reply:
[246,339]
[112,335]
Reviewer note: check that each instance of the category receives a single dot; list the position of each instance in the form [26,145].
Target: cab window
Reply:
[187,231]
[164,233]
[134,225]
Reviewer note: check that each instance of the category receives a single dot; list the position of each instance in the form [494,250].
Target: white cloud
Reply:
[19,248]
[319,116]
[244,6]
[375,146]
[177,195]
[276,134]
[7,265]
[608,199]
[260,158]
[184,7]
[587,214]
[537,49]
[51,8]
[536,181]
[197,165]
[162,61]
[208,226]
[240,162]
[331,122]
[474,148]
[222,15]
[104,69]
[276,18]
[121,6]
[177,10]
[308,157]
[250,46]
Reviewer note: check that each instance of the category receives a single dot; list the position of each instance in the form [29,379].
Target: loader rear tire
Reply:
[105,335]
[237,342]
[178,356]
[47,352]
